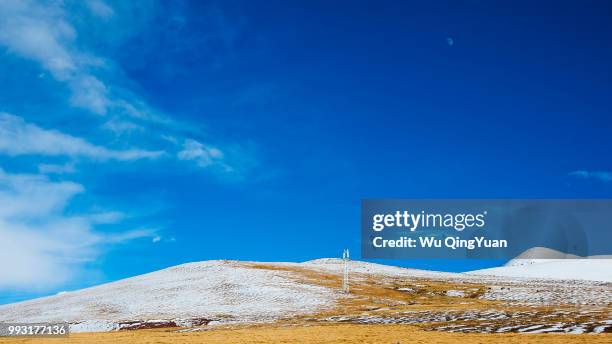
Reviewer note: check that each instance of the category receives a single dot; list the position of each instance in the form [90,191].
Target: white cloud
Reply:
[603,176]
[120,127]
[17,137]
[232,163]
[106,217]
[41,246]
[38,32]
[57,168]
[89,93]
[118,238]
[29,196]
[100,9]
[203,155]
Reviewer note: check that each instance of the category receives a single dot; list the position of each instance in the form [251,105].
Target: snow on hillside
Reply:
[201,293]
[565,269]
[194,292]
[541,263]
[335,265]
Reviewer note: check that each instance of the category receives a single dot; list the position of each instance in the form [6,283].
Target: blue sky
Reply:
[136,136]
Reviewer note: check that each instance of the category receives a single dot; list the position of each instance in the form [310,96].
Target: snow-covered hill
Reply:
[540,263]
[190,293]
[201,293]
[197,293]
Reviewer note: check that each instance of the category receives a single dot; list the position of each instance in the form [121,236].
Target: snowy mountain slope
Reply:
[197,293]
[200,292]
[552,265]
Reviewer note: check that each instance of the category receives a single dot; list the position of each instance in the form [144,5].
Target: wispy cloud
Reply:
[17,137]
[39,31]
[603,176]
[203,155]
[118,238]
[41,245]
[233,163]
[44,32]
[107,217]
[100,8]
[68,167]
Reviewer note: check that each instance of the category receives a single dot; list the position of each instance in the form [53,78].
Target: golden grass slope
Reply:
[319,334]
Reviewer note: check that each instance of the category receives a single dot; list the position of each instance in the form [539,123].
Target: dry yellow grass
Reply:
[319,334]
[368,292]
[379,296]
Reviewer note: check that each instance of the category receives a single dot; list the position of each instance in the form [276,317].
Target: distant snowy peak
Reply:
[544,253]
[552,264]
[538,255]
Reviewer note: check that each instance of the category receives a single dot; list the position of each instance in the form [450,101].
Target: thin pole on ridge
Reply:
[345,279]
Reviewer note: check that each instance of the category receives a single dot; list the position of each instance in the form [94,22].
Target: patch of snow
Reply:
[455,293]
[94,326]
[408,290]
